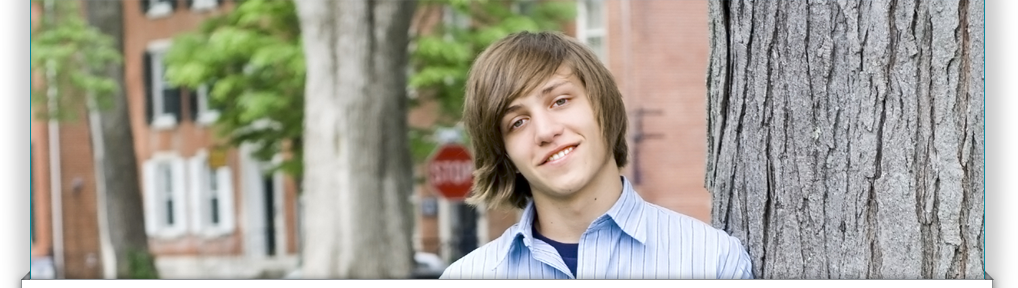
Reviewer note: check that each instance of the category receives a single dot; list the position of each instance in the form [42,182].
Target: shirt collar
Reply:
[627,213]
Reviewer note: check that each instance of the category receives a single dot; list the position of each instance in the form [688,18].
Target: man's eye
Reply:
[561,101]
[517,124]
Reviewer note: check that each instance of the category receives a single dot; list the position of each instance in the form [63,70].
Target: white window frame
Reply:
[585,34]
[204,5]
[159,8]
[156,224]
[161,119]
[206,115]
[202,193]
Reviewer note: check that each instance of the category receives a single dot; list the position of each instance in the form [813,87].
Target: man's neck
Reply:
[565,219]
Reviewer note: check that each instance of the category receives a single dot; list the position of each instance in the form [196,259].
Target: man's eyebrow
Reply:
[511,109]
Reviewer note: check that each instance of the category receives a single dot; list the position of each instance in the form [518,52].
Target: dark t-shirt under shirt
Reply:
[566,250]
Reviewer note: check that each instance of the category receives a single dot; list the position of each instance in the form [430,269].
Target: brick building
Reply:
[210,212]
[658,53]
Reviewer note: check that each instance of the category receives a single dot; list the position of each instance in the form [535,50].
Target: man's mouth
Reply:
[559,155]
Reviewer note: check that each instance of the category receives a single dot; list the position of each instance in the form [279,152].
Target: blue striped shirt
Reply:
[635,239]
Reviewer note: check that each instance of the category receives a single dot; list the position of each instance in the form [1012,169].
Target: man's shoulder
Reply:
[685,223]
[483,259]
[722,250]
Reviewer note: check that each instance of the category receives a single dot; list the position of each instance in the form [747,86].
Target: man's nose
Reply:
[546,129]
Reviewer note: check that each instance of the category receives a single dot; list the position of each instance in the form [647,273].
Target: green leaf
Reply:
[74,53]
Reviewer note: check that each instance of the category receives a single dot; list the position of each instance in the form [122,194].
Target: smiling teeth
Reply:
[560,154]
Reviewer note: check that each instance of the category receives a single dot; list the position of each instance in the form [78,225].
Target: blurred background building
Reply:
[212,212]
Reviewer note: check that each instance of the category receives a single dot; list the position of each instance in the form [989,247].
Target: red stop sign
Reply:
[450,171]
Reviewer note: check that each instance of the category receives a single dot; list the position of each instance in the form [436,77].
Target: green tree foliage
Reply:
[68,52]
[253,62]
[254,57]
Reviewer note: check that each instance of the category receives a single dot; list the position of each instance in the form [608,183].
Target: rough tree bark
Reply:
[845,138]
[357,160]
[120,166]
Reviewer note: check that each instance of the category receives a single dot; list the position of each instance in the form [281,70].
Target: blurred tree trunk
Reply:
[846,137]
[357,164]
[126,224]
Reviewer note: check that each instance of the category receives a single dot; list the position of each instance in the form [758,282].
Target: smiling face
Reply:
[553,139]
[583,111]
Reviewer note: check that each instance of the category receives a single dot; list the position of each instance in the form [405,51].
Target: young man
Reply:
[548,129]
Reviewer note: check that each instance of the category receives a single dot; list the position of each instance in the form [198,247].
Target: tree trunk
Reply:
[357,163]
[120,166]
[845,138]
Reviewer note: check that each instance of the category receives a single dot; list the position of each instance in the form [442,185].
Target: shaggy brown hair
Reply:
[510,68]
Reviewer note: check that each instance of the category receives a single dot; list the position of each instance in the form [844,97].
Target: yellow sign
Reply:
[217,158]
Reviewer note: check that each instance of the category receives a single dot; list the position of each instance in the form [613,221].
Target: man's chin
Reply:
[564,187]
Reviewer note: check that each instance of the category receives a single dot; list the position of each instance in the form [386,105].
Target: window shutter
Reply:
[147,69]
[199,186]
[144,6]
[219,3]
[179,198]
[172,99]
[192,103]
[226,204]
[190,4]
[173,4]
[194,195]
[148,178]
